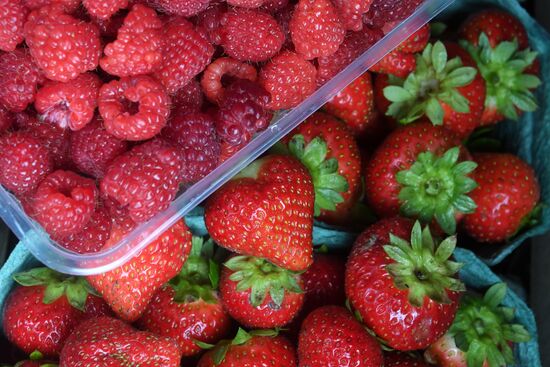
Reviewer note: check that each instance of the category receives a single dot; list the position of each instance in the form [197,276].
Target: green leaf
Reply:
[528,81]
[476,354]
[241,338]
[52,292]
[445,249]
[396,94]
[446,220]
[465,204]
[460,77]
[36,355]
[504,51]
[397,254]
[495,295]
[434,111]
[219,354]
[265,332]
[214,273]
[203,345]
[464,168]
[77,295]
[437,29]
[439,57]
[37,276]
[277,295]
[525,101]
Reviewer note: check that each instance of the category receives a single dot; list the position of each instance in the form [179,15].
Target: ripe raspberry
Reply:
[387,11]
[316,29]
[243,112]
[186,53]
[289,78]
[104,9]
[70,104]
[223,68]
[6,119]
[64,203]
[283,18]
[62,46]
[185,8]
[188,99]
[120,218]
[355,44]
[227,150]
[210,19]
[12,18]
[351,13]
[274,6]
[93,148]
[138,47]
[24,162]
[250,4]
[19,78]
[194,134]
[134,108]
[92,237]
[144,179]
[68,5]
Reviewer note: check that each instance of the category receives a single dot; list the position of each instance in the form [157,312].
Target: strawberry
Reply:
[445,86]
[129,288]
[329,151]
[42,312]
[259,294]
[482,334]
[257,348]
[396,359]
[330,336]
[397,63]
[105,341]
[36,359]
[507,194]
[498,25]
[417,41]
[187,308]
[387,275]
[421,171]
[266,211]
[324,282]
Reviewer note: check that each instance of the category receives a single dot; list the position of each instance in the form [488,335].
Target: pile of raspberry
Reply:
[108,108]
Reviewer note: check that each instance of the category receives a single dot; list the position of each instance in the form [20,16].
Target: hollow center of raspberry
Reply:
[58,114]
[130,107]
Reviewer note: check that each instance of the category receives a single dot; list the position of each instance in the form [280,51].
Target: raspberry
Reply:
[104,9]
[250,35]
[93,148]
[144,179]
[251,4]
[274,6]
[316,29]
[138,47]
[210,19]
[92,237]
[68,5]
[185,8]
[120,218]
[387,11]
[227,150]
[222,68]
[12,18]
[186,53]
[353,46]
[24,162]
[243,112]
[188,98]
[109,27]
[289,78]
[70,104]
[195,136]
[134,108]
[283,18]
[19,78]
[64,203]
[6,119]
[351,12]
[62,46]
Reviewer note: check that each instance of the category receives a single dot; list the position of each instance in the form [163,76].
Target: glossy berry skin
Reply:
[129,288]
[260,351]
[382,12]
[498,25]
[211,81]
[250,35]
[395,359]
[351,13]
[185,8]
[12,18]
[289,78]
[24,162]
[274,6]
[20,79]
[186,53]
[417,41]
[144,179]
[64,202]
[384,308]
[324,282]
[185,322]
[507,192]
[92,237]
[190,98]
[397,63]
[316,29]
[71,104]
[104,9]
[209,20]
[62,46]
[134,108]
[69,5]
[275,198]
[331,337]
[108,341]
[33,325]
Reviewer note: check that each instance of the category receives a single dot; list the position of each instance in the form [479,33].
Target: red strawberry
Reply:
[258,348]
[396,63]
[105,341]
[289,78]
[324,282]
[446,87]
[129,288]
[330,153]
[104,9]
[482,334]
[12,18]
[388,276]
[417,41]
[185,8]
[330,336]
[187,308]
[42,312]
[316,29]
[92,237]
[507,193]
[75,44]
[259,294]
[266,211]
[211,81]
[395,359]
[498,25]
[351,12]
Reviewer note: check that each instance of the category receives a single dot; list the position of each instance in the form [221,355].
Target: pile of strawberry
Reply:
[108,108]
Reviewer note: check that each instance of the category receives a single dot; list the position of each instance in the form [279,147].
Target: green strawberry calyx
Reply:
[76,289]
[484,328]
[423,267]
[434,81]
[503,68]
[436,187]
[262,278]
[200,275]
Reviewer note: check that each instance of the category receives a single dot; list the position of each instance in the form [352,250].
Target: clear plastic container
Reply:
[54,256]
